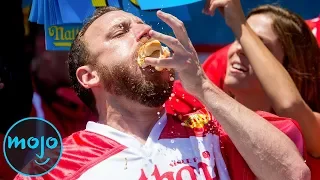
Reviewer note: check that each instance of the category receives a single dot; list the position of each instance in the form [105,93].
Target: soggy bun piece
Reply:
[153,49]
[150,47]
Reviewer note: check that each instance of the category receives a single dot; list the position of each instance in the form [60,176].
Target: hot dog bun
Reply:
[154,49]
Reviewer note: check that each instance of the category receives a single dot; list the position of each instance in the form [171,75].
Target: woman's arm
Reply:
[280,88]
[275,80]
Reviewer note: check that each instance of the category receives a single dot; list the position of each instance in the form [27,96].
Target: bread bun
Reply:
[154,49]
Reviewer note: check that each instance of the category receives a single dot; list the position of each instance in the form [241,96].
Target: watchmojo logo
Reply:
[32,147]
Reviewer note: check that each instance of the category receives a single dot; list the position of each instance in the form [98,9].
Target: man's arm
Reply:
[269,153]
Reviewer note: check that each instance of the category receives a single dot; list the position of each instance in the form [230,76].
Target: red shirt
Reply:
[216,65]
[101,152]
[314,25]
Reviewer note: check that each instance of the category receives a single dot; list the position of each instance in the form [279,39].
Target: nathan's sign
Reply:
[60,37]
[160,4]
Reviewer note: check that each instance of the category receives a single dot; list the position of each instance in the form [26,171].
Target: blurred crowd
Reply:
[35,82]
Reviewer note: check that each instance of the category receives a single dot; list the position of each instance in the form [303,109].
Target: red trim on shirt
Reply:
[81,151]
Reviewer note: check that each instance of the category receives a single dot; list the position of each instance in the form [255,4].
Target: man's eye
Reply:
[119,33]
[121,30]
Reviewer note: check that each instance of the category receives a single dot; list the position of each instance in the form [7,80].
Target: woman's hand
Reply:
[231,10]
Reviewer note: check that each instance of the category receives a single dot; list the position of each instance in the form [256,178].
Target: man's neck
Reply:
[130,117]
[254,101]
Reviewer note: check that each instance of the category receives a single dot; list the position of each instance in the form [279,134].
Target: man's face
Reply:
[113,40]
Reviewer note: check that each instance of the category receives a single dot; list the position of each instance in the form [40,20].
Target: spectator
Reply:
[215,67]
[53,99]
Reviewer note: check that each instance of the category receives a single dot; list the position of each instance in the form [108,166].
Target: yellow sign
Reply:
[135,2]
[62,36]
[98,3]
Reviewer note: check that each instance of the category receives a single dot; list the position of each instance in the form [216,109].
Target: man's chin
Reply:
[155,101]
[164,76]
[150,87]
[156,96]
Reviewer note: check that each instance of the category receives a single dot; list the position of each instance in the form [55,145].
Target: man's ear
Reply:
[87,77]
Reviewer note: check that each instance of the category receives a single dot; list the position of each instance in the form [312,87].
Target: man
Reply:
[135,138]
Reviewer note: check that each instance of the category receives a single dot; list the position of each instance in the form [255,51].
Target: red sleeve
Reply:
[314,165]
[237,167]
[81,151]
[314,25]
[216,65]
[297,137]
[182,102]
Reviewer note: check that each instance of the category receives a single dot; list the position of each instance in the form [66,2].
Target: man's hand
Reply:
[184,60]
[230,9]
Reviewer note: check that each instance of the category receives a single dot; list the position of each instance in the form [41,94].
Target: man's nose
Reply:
[140,30]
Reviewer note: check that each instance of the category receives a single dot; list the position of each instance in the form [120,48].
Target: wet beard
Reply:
[151,92]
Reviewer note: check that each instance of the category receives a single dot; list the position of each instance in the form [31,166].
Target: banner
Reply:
[181,12]
[60,37]
[62,19]
[160,4]
[66,16]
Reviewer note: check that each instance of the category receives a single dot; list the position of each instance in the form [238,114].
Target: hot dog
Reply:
[152,48]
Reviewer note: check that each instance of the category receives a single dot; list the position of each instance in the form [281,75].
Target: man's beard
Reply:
[151,91]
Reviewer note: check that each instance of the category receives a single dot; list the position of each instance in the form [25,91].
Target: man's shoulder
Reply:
[88,139]
[81,151]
